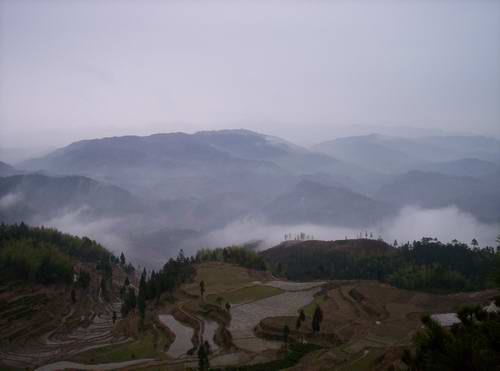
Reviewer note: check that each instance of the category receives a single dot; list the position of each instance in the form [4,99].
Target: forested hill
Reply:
[44,255]
[427,265]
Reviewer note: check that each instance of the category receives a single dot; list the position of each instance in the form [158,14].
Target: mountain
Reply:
[396,154]
[36,198]
[478,196]
[463,167]
[315,203]
[291,157]
[193,165]
[368,151]
[7,170]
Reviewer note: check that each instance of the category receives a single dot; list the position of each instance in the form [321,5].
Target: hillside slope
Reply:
[311,202]
[36,197]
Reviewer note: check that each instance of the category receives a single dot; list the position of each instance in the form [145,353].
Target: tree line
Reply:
[427,265]
[46,256]
[239,255]
[174,273]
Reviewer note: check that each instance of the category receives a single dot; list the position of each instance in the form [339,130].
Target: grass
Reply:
[143,347]
[245,294]
[295,352]
[309,308]
[219,277]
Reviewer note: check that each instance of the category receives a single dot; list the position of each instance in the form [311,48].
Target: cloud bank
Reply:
[412,223]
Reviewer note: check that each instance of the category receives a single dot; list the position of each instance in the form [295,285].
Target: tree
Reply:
[202,288]
[468,345]
[83,279]
[129,303]
[302,315]
[127,281]
[218,301]
[203,362]
[474,243]
[141,297]
[122,259]
[104,291]
[317,319]
[286,333]
[298,323]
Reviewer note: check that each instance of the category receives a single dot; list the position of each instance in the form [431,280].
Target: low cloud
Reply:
[10,200]
[104,230]
[445,224]
[412,223]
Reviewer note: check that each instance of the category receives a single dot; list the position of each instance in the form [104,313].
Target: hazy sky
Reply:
[303,70]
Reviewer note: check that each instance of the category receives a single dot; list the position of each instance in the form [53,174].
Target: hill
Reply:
[37,198]
[426,265]
[7,170]
[58,294]
[311,202]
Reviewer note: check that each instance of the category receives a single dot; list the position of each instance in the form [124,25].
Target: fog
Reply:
[10,200]
[106,231]
[411,224]
[301,70]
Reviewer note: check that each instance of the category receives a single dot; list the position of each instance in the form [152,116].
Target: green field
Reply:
[141,348]
[219,277]
[309,308]
[245,294]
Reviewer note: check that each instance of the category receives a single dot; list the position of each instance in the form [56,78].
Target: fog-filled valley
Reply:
[163,192]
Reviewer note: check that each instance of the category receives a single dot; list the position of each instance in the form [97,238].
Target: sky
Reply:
[307,71]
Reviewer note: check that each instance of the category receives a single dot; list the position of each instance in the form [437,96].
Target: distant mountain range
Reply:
[468,155]
[167,184]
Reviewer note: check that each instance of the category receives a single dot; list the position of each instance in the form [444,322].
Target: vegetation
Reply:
[84,248]
[472,344]
[426,265]
[239,255]
[295,352]
[246,294]
[317,319]
[173,274]
[203,352]
[149,345]
[46,256]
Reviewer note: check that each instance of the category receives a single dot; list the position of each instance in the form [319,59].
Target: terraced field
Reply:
[66,340]
[362,321]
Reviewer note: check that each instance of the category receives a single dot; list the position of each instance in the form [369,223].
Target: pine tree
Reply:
[203,362]
[141,297]
[317,319]
[202,288]
[302,316]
